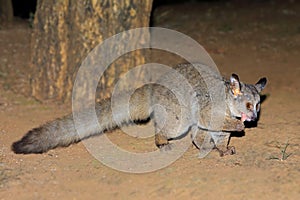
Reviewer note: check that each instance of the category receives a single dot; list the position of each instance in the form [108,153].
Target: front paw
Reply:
[240,126]
[233,125]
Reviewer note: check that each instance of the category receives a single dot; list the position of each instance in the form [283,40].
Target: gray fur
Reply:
[187,105]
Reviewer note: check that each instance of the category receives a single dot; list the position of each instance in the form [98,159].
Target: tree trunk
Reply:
[6,11]
[65,31]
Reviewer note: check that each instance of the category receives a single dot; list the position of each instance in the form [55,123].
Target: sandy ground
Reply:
[252,44]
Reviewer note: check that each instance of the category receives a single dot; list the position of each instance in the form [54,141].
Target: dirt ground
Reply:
[256,40]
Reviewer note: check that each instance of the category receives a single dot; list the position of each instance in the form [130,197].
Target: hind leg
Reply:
[206,141]
[165,129]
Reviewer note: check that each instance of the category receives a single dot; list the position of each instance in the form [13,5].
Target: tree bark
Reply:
[65,31]
[6,11]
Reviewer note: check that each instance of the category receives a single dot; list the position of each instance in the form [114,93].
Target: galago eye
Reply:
[249,106]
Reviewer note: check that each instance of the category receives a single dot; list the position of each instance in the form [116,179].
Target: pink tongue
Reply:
[244,117]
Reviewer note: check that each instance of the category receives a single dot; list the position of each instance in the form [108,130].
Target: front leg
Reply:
[203,141]
[206,141]
[222,140]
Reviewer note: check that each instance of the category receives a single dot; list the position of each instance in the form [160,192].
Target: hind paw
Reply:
[166,147]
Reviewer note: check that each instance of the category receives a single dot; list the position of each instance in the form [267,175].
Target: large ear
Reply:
[235,85]
[260,85]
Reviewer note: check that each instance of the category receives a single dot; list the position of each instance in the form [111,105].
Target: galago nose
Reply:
[254,116]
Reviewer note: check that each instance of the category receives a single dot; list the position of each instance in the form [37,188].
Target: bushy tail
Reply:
[62,131]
